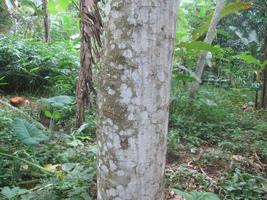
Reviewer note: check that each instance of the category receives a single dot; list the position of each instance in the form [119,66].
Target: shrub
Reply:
[30,65]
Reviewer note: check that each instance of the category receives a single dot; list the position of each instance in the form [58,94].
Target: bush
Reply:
[33,66]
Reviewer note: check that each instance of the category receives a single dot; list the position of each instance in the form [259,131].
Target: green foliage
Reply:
[27,133]
[5,17]
[60,5]
[249,59]
[29,65]
[210,137]
[228,9]
[58,101]
[184,178]
[52,115]
[197,195]
[23,168]
[10,193]
[200,46]
[241,185]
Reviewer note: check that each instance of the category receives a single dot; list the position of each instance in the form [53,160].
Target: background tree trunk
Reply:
[91,26]
[133,99]
[46,22]
[264,89]
[208,39]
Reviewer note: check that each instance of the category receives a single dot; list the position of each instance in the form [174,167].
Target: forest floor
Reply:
[216,144]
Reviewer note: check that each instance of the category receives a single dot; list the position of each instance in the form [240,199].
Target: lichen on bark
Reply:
[133,99]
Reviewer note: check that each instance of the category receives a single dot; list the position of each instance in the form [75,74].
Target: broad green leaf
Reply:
[228,9]
[67,21]
[52,7]
[11,193]
[200,46]
[56,115]
[48,114]
[60,101]
[27,133]
[249,59]
[63,4]
[55,6]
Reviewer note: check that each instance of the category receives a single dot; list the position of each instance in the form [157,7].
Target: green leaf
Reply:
[60,101]
[34,69]
[228,9]
[67,21]
[249,59]
[27,133]
[56,115]
[55,6]
[52,7]
[11,193]
[63,4]
[197,45]
[48,114]
[197,195]
[264,64]
[191,73]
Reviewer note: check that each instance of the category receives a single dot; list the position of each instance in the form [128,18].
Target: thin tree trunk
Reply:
[133,99]
[90,34]
[46,22]
[264,88]
[208,39]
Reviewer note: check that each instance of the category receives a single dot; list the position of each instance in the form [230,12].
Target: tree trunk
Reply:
[46,22]
[133,99]
[208,39]
[264,79]
[91,26]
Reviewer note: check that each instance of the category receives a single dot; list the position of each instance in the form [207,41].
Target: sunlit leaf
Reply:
[249,59]
[56,115]
[200,46]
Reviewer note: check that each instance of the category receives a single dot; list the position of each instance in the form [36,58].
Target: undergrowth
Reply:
[214,147]
[221,147]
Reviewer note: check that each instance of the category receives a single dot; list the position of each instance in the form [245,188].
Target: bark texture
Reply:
[133,99]
[46,22]
[264,77]
[91,26]
[208,39]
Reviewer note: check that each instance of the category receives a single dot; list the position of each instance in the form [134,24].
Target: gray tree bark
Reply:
[208,39]
[46,22]
[133,99]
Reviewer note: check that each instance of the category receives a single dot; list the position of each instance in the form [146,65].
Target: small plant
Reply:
[197,195]
[27,133]
[11,193]
[241,185]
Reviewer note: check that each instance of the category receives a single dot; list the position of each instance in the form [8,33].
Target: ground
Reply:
[214,145]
